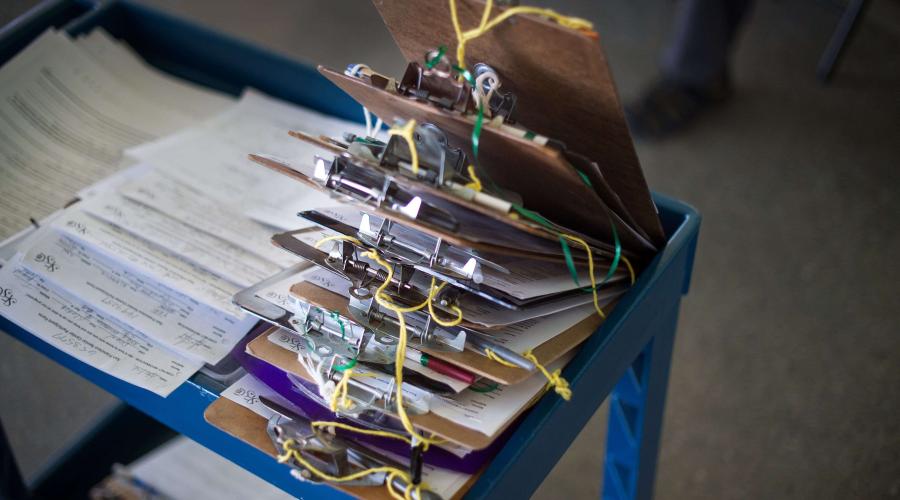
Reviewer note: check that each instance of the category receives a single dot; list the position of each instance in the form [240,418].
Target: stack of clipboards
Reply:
[476,245]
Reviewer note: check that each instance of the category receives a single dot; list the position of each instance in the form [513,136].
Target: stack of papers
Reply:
[136,279]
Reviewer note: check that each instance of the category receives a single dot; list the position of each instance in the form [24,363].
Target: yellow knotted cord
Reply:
[339,399]
[413,491]
[464,37]
[554,380]
[491,355]
[476,182]
[432,293]
[406,131]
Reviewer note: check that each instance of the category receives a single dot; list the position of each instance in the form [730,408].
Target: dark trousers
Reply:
[703,35]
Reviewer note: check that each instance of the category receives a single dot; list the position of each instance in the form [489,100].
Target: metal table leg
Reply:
[635,417]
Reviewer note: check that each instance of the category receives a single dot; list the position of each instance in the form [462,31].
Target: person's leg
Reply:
[694,67]
[704,31]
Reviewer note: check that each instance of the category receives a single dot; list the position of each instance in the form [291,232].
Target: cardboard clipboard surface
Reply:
[245,425]
[546,353]
[564,87]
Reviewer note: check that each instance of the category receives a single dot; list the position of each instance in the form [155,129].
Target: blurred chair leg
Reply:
[12,486]
[845,28]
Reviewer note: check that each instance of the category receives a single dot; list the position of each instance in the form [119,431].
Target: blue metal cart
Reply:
[627,358]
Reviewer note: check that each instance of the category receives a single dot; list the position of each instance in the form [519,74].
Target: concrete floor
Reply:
[784,381]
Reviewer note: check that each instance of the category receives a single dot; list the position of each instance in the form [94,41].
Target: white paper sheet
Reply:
[150,261]
[179,323]
[76,329]
[122,62]
[247,390]
[190,206]
[64,121]
[214,254]
[213,158]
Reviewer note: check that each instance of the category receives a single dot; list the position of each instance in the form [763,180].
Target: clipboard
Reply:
[566,63]
[515,163]
[523,240]
[245,425]
[285,360]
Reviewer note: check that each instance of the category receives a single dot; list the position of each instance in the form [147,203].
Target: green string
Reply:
[570,262]
[479,120]
[346,366]
[567,252]
[431,63]
[337,317]
[476,134]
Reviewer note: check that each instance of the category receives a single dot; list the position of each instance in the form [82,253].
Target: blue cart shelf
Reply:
[626,359]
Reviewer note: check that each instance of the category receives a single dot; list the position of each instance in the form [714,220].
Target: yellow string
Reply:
[290,452]
[432,293]
[554,380]
[476,182]
[630,269]
[340,393]
[406,132]
[464,37]
[587,248]
[493,357]
[385,302]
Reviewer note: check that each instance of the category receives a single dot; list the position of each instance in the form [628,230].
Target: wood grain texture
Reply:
[561,77]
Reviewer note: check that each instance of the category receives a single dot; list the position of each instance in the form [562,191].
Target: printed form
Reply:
[78,330]
[162,314]
[212,158]
[64,122]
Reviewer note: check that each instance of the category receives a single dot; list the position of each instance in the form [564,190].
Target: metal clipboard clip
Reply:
[363,275]
[440,166]
[421,329]
[410,254]
[345,177]
[370,397]
[328,334]
[291,432]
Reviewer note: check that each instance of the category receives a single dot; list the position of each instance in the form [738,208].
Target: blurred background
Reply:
[786,370]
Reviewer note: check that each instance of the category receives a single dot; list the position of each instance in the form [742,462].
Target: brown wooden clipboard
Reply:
[560,76]
[245,425]
[543,177]
[476,363]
